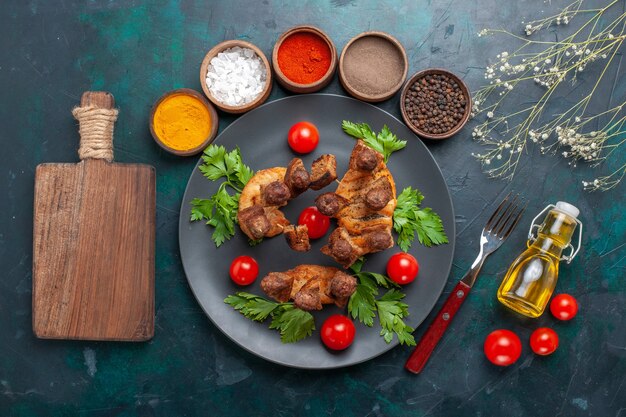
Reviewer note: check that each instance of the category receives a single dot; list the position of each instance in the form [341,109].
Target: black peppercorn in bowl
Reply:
[435,103]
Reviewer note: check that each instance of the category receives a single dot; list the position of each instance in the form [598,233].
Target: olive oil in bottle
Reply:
[531,278]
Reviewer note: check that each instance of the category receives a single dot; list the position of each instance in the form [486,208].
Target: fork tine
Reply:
[503,215]
[506,216]
[496,212]
[515,221]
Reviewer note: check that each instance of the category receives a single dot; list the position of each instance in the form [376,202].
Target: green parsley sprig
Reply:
[409,219]
[220,210]
[363,305]
[384,142]
[293,323]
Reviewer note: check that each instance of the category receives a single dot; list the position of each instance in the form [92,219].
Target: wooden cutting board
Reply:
[93,248]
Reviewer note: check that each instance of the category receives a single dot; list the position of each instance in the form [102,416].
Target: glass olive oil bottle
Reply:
[531,278]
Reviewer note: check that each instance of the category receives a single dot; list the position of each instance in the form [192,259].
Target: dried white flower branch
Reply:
[570,134]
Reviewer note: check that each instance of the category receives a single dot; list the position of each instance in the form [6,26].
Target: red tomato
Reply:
[303,137]
[564,307]
[544,341]
[502,347]
[337,332]
[244,270]
[316,222]
[402,268]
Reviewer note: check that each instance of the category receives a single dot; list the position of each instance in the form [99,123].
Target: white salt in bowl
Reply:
[260,98]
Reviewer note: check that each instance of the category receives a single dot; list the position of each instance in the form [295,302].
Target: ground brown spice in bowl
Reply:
[373,65]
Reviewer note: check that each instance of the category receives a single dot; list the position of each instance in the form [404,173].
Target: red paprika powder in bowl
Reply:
[304,59]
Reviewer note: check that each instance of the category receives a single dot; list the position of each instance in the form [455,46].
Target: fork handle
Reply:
[431,338]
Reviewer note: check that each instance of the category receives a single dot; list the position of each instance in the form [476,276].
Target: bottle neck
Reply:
[557,227]
[548,245]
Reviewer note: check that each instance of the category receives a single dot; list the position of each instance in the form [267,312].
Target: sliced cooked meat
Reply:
[297,178]
[364,158]
[253,222]
[379,194]
[342,286]
[298,237]
[323,171]
[259,212]
[329,204]
[346,248]
[363,205]
[277,219]
[341,248]
[253,195]
[276,193]
[310,286]
[378,240]
[308,298]
[278,286]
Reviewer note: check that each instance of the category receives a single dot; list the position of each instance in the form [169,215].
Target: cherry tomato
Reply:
[544,341]
[402,268]
[303,137]
[244,270]
[316,222]
[564,307]
[338,332]
[502,347]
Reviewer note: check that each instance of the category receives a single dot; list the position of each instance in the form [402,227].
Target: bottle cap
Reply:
[567,208]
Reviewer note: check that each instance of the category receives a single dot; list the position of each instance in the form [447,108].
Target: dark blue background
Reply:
[51,51]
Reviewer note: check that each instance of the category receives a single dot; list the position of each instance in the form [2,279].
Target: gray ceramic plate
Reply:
[262,137]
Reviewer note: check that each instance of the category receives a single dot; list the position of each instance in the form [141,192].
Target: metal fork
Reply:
[498,228]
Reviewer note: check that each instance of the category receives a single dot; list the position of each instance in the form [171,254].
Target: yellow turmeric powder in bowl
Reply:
[183,122]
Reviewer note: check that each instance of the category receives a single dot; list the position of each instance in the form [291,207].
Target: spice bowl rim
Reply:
[212,115]
[221,47]
[293,86]
[468,103]
[368,97]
